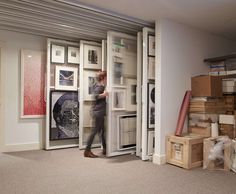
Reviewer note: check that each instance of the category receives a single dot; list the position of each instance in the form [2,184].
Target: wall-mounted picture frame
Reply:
[151,142]
[92,57]
[73,55]
[64,115]
[33,68]
[119,99]
[131,88]
[66,78]
[126,131]
[151,45]
[58,53]
[151,106]
[151,68]
[90,79]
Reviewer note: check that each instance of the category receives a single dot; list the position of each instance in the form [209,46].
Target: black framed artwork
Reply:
[64,115]
[151,106]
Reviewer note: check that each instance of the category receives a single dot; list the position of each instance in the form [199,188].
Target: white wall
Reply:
[19,134]
[180,53]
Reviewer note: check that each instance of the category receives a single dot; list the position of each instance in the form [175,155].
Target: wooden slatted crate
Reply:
[185,151]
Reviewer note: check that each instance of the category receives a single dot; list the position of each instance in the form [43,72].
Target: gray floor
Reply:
[67,171]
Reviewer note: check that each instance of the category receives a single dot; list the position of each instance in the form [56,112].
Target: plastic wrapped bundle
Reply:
[217,153]
[234,156]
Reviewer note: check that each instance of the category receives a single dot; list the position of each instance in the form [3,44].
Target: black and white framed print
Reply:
[151,106]
[151,45]
[90,79]
[126,137]
[118,70]
[64,115]
[57,53]
[66,78]
[131,104]
[151,68]
[92,57]
[119,99]
[151,142]
[73,55]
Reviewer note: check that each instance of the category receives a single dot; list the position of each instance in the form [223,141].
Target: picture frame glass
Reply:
[131,103]
[92,57]
[33,69]
[90,79]
[151,68]
[151,105]
[64,115]
[119,99]
[57,53]
[66,78]
[73,55]
[151,45]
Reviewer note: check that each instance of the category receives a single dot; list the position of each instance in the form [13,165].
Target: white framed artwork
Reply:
[66,78]
[126,131]
[151,45]
[151,142]
[57,53]
[90,79]
[92,57]
[151,67]
[118,71]
[131,104]
[73,55]
[119,99]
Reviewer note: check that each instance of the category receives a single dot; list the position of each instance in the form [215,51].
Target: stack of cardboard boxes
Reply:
[207,106]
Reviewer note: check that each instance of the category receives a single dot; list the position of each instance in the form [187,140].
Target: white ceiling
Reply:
[215,16]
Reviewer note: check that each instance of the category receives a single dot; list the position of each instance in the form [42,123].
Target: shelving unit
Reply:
[148,91]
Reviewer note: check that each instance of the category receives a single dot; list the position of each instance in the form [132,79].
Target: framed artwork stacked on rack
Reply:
[62,117]
[91,63]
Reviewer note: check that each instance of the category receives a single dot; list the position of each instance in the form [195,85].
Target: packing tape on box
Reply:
[214,130]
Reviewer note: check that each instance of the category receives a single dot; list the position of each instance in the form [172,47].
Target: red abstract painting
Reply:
[33,67]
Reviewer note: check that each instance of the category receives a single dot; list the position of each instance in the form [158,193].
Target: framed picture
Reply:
[64,115]
[90,79]
[131,104]
[92,57]
[151,106]
[118,69]
[151,45]
[33,68]
[151,68]
[73,55]
[119,99]
[88,118]
[66,78]
[151,142]
[57,53]
[126,125]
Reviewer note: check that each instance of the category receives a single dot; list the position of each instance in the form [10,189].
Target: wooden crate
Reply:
[185,151]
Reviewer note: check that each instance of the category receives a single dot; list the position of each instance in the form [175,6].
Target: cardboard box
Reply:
[228,130]
[206,85]
[186,151]
[226,119]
